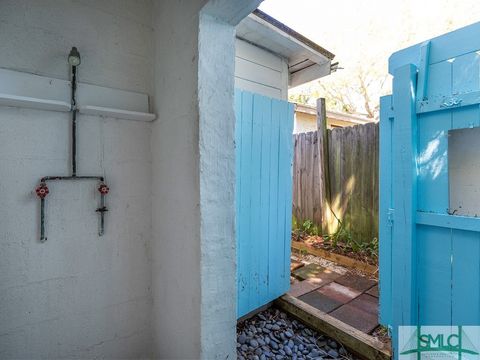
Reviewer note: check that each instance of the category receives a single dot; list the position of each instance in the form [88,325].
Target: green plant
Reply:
[307,224]
[342,234]
[307,228]
[310,228]
[343,238]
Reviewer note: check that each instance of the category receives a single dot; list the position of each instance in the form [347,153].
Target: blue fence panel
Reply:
[429,256]
[264,155]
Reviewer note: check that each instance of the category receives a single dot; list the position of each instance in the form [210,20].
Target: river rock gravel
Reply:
[272,334]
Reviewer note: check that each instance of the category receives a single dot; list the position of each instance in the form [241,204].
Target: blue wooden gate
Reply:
[264,153]
[429,246]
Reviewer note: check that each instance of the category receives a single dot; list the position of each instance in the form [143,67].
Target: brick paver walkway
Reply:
[350,298]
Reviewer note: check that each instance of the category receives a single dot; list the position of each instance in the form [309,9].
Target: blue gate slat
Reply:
[434,275]
[466,117]
[433,161]
[466,73]
[285,135]
[255,248]
[275,245]
[436,84]
[404,190]
[444,47]
[287,141]
[465,277]
[264,197]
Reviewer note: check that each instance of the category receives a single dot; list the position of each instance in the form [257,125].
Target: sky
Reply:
[365,33]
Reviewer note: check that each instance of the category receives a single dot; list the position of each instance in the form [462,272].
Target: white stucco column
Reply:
[193,245]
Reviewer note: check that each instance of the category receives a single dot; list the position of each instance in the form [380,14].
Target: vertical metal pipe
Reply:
[74,143]
[102,212]
[42,221]
[74,122]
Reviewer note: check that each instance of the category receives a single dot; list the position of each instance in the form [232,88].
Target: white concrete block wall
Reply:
[115,39]
[77,295]
[175,187]
[217,188]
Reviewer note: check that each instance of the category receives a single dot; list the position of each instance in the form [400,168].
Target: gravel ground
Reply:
[327,264]
[271,334]
[309,259]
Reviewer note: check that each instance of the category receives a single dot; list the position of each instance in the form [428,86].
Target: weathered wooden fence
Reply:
[335,179]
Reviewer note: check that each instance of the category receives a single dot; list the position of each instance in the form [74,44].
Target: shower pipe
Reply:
[42,189]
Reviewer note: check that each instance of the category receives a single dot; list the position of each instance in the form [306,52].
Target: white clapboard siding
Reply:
[260,71]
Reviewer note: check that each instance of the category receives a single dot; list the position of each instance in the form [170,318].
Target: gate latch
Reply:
[390,214]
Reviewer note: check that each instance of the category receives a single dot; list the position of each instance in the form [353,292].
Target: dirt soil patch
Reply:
[340,248]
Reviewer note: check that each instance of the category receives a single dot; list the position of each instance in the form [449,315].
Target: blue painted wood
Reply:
[263,198]
[442,48]
[287,157]
[386,206]
[466,73]
[467,117]
[434,275]
[448,102]
[404,191]
[432,161]
[432,256]
[449,221]
[403,244]
[255,196]
[465,277]
[275,249]
[423,71]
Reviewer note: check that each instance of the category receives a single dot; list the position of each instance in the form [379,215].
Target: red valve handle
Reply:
[103,189]
[42,190]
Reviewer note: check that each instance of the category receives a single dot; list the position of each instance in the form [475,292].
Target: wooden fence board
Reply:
[336,175]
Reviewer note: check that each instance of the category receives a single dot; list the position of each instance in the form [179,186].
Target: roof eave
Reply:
[307,61]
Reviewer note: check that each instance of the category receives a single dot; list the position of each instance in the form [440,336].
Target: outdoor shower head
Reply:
[74,57]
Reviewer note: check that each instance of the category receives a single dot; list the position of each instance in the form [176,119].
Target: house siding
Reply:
[259,71]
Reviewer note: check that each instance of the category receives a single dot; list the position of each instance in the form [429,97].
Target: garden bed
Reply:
[303,247]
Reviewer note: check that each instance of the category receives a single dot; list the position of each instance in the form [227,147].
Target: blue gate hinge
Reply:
[390,214]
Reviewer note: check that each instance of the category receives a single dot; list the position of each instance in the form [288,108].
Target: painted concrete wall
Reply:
[77,295]
[260,71]
[175,186]
[115,39]
[217,187]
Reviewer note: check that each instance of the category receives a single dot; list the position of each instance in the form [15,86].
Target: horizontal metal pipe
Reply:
[58,178]
[101,210]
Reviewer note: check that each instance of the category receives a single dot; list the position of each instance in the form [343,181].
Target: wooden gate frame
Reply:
[399,213]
